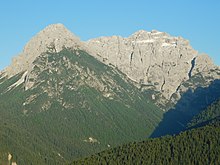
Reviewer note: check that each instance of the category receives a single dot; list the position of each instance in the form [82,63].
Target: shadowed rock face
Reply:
[192,102]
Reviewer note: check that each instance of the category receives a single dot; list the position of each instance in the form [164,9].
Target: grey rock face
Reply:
[203,63]
[52,38]
[154,59]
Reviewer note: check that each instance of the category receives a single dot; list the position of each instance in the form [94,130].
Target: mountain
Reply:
[62,98]
[157,62]
[197,146]
[167,70]
[53,37]
[58,103]
[163,67]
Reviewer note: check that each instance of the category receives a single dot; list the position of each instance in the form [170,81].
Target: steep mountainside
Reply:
[62,98]
[54,37]
[66,104]
[192,102]
[197,146]
[167,70]
[159,64]
[156,61]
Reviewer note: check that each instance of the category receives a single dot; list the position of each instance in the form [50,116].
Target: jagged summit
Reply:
[149,34]
[155,60]
[141,32]
[56,32]
[55,27]
[53,38]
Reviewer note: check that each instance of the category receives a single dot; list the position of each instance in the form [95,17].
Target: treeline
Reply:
[197,146]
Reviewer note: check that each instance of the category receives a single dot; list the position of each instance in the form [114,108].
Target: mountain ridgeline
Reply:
[62,99]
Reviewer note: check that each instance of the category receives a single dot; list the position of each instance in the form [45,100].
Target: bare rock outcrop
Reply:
[52,38]
[153,59]
[203,63]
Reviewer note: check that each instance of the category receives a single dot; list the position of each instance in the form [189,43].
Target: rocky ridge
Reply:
[53,38]
[154,60]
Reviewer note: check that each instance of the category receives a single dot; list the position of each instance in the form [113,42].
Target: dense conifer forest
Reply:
[199,145]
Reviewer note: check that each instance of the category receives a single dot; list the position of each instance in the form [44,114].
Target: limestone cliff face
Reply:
[52,38]
[155,60]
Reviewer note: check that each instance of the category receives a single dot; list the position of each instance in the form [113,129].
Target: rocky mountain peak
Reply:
[53,38]
[154,34]
[155,60]
[55,27]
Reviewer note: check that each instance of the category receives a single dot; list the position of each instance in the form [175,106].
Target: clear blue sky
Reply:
[195,20]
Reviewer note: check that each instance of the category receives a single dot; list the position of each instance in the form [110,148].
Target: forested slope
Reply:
[197,146]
